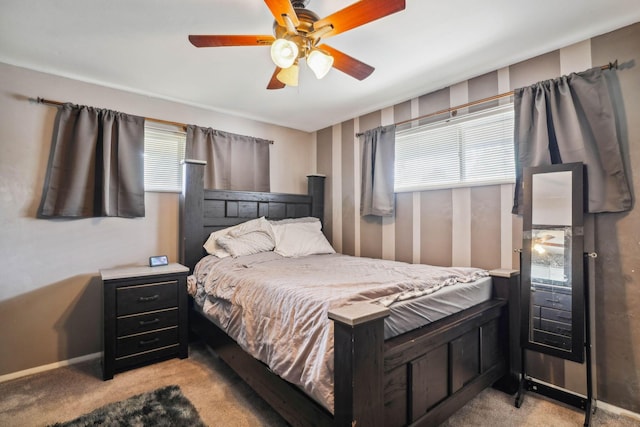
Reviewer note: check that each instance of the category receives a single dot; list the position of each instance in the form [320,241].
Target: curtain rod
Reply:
[613,64]
[151,119]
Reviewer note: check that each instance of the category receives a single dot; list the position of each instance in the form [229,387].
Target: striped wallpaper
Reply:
[462,226]
[474,226]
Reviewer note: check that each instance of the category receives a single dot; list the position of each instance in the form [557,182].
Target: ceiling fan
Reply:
[299,34]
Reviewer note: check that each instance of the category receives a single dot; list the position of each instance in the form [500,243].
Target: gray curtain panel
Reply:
[572,119]
[378,148]
[234,162]
[96,165]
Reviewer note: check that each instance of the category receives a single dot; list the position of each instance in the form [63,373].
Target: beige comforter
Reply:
[276,308]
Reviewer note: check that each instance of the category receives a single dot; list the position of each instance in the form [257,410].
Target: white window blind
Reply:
[163,155]
[475,149]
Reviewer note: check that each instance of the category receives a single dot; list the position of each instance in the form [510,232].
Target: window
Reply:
[474,149]
[163,156]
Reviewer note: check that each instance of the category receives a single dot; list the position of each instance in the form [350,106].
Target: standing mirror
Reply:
[552,261]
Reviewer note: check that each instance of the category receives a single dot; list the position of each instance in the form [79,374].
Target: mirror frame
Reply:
[576,353]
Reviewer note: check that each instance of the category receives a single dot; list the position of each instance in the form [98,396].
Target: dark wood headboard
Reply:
[204,211]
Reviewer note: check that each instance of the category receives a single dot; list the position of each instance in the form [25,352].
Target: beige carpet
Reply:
[496,409]
[222,399]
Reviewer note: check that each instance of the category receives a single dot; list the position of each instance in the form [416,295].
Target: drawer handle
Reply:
[552,300]
[149,322]
[147,299]
[148,342]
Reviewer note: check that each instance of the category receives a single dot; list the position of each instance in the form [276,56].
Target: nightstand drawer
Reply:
[139,323]
[555,340]
[147,297]
[556,315]
[140,343]
[556,327]
[552,299]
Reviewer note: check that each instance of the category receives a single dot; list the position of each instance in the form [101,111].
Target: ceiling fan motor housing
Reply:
[307,18]
[299,3]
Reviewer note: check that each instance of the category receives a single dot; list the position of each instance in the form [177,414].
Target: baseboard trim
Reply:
[616,410]
[50,366]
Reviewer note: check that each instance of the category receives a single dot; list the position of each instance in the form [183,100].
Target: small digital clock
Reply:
[158,260]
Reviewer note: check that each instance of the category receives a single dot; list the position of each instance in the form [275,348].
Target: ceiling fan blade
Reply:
[274,83]
[282,7]
[230,40]
[359,13]
[348,64]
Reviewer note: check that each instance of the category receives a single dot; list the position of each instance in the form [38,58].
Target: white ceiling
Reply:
[142,46]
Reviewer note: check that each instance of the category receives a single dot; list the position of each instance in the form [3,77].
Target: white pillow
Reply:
[211,245]
[258,224]
[246,244]
[213,248]
[294,239]
[292,220]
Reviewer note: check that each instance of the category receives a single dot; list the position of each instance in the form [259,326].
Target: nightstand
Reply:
[144,316]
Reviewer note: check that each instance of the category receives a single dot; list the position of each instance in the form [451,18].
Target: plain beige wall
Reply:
[50,292]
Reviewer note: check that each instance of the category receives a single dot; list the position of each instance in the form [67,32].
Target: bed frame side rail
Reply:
[290,402]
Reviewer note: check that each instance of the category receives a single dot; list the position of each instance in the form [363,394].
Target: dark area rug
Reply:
[165,406]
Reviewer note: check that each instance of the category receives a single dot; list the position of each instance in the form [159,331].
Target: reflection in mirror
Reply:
[548,256]
[551,287]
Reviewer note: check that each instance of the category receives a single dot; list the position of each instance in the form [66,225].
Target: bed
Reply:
[383,372]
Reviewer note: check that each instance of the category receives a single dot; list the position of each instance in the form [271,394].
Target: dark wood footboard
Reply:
[423,376]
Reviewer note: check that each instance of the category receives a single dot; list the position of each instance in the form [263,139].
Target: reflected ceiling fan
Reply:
[299,34]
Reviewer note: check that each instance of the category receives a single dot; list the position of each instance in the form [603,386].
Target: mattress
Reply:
[417,312]
[411,314]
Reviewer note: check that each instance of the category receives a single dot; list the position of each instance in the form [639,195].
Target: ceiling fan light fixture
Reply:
[320,63]
[289,76]
[284,53]
[298,32]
